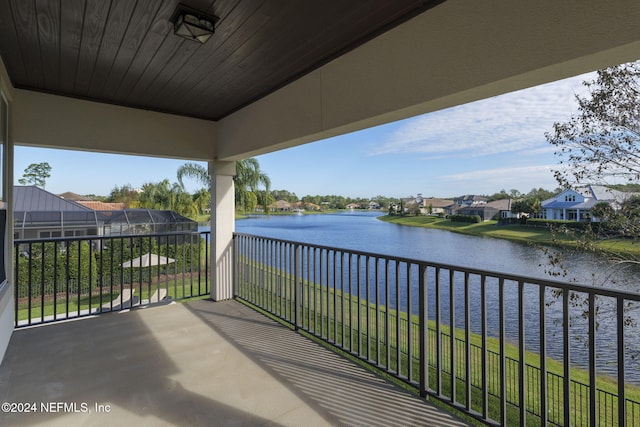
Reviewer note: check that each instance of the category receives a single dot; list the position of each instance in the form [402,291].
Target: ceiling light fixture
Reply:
[193,25]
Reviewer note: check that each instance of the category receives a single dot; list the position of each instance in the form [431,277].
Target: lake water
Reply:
[362,231]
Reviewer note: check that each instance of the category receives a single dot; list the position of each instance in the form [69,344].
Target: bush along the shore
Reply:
[474,219]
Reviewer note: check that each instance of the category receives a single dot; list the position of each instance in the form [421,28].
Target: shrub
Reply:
[474,219]
[48,263]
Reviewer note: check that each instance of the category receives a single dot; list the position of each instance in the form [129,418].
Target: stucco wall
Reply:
[91,126]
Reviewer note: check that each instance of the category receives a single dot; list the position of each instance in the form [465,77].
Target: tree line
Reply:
[252,188]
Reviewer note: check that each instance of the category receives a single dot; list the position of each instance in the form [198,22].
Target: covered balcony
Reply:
[309,336]
[118,77]
[195,364]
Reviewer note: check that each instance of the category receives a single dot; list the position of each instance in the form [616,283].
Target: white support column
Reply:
[222,228]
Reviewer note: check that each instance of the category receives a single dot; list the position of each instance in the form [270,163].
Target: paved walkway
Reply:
[200,363]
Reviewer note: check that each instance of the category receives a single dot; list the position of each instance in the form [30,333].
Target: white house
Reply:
[434,206]
[575,205]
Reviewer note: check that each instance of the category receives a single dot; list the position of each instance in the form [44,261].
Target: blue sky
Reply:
[476,148]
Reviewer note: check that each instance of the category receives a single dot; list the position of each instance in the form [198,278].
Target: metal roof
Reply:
[587,204]
[602,193]
[35,199]
[35,207]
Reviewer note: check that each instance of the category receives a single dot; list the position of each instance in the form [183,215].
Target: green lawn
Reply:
[521,233]
[177,289]
[340,319]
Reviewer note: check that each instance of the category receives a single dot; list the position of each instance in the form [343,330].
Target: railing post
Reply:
[467,341]
[566,390]
[423,339]
[543,355]
[522,371]
[593,390]
[235,242]
[484,364]
[453,360]
[438,335]
[622,400]
[296,286]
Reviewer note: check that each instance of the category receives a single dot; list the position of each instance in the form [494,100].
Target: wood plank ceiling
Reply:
[124,51]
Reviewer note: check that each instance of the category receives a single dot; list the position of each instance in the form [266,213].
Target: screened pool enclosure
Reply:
[51,224]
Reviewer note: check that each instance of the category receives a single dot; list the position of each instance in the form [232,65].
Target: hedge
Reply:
[466,218]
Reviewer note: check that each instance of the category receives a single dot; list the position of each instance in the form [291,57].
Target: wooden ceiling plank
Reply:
[270,55]
[251,34]
[95,20]
[324,44]
[11,55]
[173,63]
[158,31]
[170,48]
[141,19]
[173,53]
[172,74]
[268,50]
[71,23]
[24,16]
[124,51]
[118,22]
[232,30]
[317,50]
[48,16]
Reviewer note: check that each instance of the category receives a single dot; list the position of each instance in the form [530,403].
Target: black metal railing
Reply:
[62,278]
[525,350]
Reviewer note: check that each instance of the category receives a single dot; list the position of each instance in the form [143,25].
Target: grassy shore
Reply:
[346,322]
[520,233]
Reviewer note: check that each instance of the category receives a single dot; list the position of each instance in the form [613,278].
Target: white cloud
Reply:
[539,171]
[512,122]
[489,181]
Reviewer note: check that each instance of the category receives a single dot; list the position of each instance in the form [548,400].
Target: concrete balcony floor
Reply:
[198,363]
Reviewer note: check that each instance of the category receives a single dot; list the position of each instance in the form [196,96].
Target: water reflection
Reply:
[363,232]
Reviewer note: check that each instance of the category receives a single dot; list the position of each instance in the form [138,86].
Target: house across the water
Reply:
[576,205]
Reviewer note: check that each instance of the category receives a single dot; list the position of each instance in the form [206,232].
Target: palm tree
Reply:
[251,184]
[202,200]
[250,179]
[155,195]
[164,195]
[195,171]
